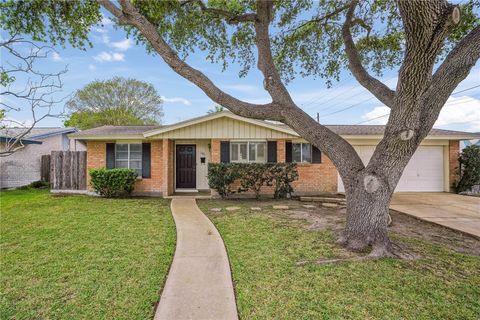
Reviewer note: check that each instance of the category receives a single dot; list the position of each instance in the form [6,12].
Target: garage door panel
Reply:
[424,172]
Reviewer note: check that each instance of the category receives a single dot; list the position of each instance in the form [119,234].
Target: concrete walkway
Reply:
[199,284]
[447,209]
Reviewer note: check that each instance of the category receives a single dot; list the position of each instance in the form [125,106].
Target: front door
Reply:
[185,167]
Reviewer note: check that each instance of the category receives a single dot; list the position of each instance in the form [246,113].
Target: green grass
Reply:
[263,249]
[80,257]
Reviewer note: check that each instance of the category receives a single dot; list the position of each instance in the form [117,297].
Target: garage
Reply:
[424,172]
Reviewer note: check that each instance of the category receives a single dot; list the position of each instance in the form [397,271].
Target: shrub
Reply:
[114,182]
[252,176]
[221,176]
[283,175]
[469,168]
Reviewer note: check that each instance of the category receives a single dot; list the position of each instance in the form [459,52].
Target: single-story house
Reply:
[23,166]
[175,158]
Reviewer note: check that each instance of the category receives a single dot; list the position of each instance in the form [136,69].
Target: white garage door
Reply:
[424,172]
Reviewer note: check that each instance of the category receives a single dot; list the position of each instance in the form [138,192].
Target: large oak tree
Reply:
[433,43]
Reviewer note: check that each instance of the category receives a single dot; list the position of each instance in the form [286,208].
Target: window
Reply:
[301,152]
[129,156]
[248,151]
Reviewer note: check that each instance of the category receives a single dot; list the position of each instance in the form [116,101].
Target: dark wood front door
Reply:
[185,166]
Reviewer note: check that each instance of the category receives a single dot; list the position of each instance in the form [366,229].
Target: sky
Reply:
[346,102]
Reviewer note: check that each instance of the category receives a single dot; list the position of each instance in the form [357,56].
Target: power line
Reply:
[456,102]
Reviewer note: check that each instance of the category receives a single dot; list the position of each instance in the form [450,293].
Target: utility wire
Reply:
[456,102]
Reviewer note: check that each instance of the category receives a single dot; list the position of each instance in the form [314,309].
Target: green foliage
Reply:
[215,109]
[35,185]
[113,183]
[283,175]
[303,41]
[221,176]
[117,101]
[252,177]
[469,168]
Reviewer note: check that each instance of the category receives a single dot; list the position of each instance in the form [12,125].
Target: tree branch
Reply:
[130,16]
[377,88]
[323,19]
[231,17]
[454,69]
[272,80]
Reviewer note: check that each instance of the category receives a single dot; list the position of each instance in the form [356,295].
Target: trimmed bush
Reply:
[252,177]
[221,176]
[113,182]
[469,168]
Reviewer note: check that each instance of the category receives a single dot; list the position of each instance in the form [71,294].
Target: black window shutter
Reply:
[288,152]
[272,151]
[146,156]
[316,155]
[110,155]
[225,151]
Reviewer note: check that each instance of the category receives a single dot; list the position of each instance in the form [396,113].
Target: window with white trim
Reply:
[129,155]
[301,152]
[248,151]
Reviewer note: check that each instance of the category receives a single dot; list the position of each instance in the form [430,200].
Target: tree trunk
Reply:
[367,220]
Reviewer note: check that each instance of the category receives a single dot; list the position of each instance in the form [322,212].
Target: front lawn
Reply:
[81,257]
[264,246]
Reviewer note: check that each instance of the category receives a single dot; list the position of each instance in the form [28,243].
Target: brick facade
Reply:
[316,178]
[313,178]
[215,151]
[453,153]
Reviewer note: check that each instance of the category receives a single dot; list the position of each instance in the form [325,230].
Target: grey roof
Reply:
[344,130]
[105,131]
[36,133]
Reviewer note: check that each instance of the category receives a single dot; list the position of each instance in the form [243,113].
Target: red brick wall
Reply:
[281,150]
[453,153]
[316,178]
[215,151]
[153,184]
[96,158]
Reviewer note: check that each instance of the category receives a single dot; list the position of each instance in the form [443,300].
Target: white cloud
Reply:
[101,30]
[176,100]
[109,56]
[122,45]
[245,88]
[92,67]
[56,56]
[463,111]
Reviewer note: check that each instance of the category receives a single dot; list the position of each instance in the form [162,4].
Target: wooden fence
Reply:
[45,168]
[68,170]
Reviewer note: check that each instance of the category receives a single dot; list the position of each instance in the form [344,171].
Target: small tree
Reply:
[469,169]
[116,101]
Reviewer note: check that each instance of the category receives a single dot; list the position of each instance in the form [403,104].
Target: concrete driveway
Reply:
[447,209]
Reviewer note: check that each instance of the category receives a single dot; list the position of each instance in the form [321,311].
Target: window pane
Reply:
[135,164]
[296,152]
[252,152]
[122,147]
[306,152]
[261,154]
[139,172]
[121,152]
[234,152]
[136,147]
[243,152]
[121,164]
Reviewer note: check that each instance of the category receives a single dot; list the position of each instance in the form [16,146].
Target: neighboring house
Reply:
[175,157]
[23,166]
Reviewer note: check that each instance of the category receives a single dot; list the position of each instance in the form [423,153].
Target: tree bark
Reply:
[415,104]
